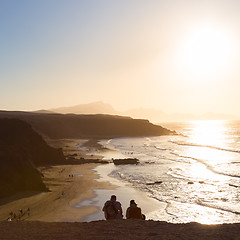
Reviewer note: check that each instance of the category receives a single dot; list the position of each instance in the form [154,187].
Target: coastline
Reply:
[57,205]
[77,192]
[54,215]
[152,208]
[68,185]
[124,193]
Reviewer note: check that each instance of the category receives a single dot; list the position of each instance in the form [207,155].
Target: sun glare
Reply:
[207,137]
[209,132]
[207,50]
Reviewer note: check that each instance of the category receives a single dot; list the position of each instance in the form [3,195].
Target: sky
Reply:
[174,55]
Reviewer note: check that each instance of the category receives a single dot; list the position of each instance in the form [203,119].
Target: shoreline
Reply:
[124,192]
[68,185]
[77,192]
[57,205]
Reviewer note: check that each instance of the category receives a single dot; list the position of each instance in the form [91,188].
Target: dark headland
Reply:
[87,126]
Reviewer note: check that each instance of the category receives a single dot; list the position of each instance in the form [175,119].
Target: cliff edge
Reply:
[87,126]
[22,150]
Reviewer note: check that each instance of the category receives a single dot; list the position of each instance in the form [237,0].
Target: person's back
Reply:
[112,209]
[134,212]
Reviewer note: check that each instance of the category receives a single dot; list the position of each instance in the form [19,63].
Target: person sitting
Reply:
[112,209]
[134,212]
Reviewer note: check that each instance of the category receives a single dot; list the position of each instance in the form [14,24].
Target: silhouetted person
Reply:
[112,209]
[134,212]
[28,211]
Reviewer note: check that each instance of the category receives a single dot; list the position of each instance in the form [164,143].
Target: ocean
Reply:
[196,174]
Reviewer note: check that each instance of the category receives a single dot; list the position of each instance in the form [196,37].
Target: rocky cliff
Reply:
[21,151]
[87,126]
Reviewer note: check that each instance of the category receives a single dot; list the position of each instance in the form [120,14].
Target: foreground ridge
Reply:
[117,229]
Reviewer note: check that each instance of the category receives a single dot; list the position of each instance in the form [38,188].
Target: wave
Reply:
[219,208]
[206,205]
[108,141]
[210,168]
[183,157]
[205,146]
[162,149]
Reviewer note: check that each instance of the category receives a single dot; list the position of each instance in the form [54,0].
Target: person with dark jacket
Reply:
[134,212]
[112,209]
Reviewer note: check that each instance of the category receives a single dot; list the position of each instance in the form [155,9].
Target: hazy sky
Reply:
[173,55]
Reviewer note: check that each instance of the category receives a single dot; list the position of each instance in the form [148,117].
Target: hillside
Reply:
[90,108]
[21,151]
[87,126]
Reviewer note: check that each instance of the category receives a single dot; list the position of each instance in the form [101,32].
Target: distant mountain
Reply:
[154,115]
[42,111]
[90,108]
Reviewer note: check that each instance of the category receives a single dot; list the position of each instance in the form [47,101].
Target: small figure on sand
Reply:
[112,209]
[28,211]
[134,212]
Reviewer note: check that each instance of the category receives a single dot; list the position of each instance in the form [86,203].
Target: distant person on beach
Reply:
[134,212]
[112,209]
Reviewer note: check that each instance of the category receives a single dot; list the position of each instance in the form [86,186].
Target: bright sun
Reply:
[207,50]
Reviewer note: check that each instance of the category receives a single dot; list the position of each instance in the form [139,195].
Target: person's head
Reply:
[132,202]
[113,198]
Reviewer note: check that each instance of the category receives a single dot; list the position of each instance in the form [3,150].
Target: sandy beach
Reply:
[68,185]
[76,192]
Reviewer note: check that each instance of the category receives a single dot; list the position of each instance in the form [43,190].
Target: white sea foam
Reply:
[194,173]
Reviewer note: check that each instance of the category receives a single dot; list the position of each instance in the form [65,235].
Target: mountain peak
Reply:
[98,107]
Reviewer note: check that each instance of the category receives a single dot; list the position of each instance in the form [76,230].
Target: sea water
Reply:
[195,173]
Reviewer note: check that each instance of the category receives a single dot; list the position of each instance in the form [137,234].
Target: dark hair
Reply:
[113,197]
[132,202]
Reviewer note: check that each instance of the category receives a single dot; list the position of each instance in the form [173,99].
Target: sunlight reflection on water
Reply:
[207,141]
[196,174]
[200,171]
[209,132]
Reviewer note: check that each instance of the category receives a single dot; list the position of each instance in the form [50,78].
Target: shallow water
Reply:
[196,174]
[124,193]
